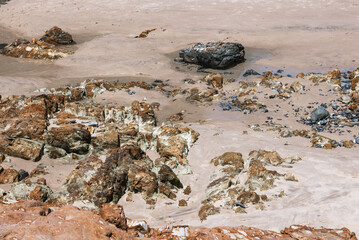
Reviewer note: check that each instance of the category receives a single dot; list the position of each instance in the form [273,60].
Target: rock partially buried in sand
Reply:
[214,54]
[35,49]
[45,48]
[319,114]
[55,35]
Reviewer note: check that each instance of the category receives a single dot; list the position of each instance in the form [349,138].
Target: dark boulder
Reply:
[214,54]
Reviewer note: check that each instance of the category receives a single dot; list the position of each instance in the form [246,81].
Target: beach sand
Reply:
[295,36]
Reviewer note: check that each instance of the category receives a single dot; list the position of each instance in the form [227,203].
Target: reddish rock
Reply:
[22,148]
[141,180]
[230,162]
[61,223]
[8,176]
[207,210]
[74,138]
[214,79]
[39,194]
[182,203]
[23,128]
[114,214]
[308,233]
[266,157]
[166,190]
[248,197]
[187,190]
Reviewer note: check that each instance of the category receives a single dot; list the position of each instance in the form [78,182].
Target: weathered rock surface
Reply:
[36,220]
[8,175]
[73,138]
[214,54]
[22,148]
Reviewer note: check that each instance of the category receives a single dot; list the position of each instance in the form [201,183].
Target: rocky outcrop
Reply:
[214,54]
[235,181]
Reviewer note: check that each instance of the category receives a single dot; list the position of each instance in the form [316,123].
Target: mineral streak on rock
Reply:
[214,54]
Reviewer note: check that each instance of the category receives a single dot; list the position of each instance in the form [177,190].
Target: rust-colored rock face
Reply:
[22,148]
[114,214]
[55,35]
[36,220]
[29,220]
[73,138]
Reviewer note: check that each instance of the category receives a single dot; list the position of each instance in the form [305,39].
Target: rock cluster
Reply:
[66,123]
[45,48]
[214,54]
[235,181]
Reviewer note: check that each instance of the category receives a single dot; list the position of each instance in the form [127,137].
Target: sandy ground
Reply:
[295,36]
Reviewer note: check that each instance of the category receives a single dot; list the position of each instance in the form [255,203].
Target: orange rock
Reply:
[8,176]
[114,214]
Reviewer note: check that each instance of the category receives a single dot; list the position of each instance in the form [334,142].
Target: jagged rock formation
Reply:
[65,123]
[214,54]
[232,187]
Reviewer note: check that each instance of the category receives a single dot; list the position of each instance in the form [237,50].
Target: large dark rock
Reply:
[214,54]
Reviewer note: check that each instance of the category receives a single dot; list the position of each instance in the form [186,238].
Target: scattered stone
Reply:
[250,72]
[319,114]
[145,33]
[187,190]
[182,203]
[214,79]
